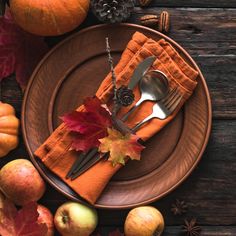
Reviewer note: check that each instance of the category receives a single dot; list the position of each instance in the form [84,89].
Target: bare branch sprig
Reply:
[114,79]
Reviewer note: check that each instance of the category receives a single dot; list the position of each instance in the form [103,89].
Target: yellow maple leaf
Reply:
[120,146]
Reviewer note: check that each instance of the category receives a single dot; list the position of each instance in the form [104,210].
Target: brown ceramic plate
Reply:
[73,70]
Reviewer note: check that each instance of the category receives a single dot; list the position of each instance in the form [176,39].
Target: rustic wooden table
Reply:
[207,30]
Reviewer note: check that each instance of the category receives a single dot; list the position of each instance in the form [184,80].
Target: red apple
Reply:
[21,182]
[45,216]
[2,199]
[73,219]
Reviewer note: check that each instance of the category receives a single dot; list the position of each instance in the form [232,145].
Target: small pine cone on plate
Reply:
[125,96]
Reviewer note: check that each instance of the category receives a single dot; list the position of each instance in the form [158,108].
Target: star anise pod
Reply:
[179,207]
[191,228]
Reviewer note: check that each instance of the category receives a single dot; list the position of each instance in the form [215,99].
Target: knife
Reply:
[89,160]
[140,71]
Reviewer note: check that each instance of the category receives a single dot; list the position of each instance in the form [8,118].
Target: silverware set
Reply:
[154,87]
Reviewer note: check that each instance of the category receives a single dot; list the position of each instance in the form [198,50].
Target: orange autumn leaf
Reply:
[120,146]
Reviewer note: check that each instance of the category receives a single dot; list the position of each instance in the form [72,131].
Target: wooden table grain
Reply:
[207,30]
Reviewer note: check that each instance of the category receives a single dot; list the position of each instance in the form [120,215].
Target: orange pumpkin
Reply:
[9,126]
[49,17]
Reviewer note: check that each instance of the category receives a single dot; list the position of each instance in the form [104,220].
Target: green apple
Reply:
[73,219]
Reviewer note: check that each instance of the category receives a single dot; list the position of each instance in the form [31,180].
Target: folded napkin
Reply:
[55,152]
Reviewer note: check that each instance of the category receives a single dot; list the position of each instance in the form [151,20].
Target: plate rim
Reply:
[198,157]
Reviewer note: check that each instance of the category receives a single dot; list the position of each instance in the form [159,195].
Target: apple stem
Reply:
[65,219]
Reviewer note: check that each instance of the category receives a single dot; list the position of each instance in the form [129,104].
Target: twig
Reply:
[110,60]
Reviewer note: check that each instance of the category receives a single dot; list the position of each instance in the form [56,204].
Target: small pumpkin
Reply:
[9,126]
[49,17]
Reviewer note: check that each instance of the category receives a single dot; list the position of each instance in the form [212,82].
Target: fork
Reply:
[161,110]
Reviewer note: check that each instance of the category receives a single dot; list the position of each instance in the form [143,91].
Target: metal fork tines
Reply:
[161,110]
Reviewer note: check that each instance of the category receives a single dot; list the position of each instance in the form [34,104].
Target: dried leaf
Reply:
[8,213]
[19,51]
[26,221]
[22,222]
[88,126]
[120,146]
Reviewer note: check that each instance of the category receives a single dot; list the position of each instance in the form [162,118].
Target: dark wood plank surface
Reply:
[194,3]
[207,30]
[212,45]
[177,230]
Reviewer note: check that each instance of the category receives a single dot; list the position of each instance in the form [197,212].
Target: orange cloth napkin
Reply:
[55,153]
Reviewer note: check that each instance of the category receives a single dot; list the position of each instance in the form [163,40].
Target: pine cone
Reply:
[112,11]
[125,96]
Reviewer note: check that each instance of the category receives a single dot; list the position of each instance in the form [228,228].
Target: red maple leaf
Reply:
[22,222]
[19,51]
[7,215]
[88,126]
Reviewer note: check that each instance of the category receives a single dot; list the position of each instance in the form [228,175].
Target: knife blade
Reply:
[138,74]
[140,70]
